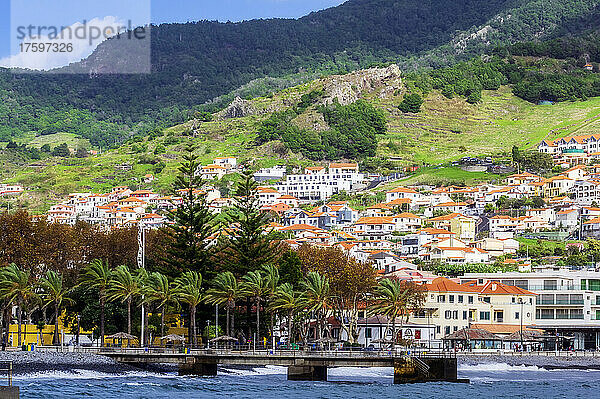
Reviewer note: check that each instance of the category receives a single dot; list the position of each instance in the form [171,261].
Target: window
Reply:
[484,315]
[546,314]
[471,299]
[547,299]
[576,314]
[562,299]
[368,333]
[487,299]
[448,314]
[438,329]
[455,314]
[447,330]
[576,299]
[460,299]
[562,313]
[550,285]
[450,298]
[441,298]
[499,316]
[517,315]
[465,315]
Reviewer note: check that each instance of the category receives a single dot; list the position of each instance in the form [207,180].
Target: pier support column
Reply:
[307,373]
[199,369]
[11,392]
[409,369]
[405,371]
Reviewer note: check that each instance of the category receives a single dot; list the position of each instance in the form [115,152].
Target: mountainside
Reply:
[196,62]
[446,129]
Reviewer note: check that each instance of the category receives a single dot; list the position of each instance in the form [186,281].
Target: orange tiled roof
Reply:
[403,190]
[375,220]
[442,284]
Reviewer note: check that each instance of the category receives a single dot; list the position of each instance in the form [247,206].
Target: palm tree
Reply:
[97,276]
[15,286]
[124,287]
[225,290]
[158,291]
[256,285]
[394,298]
[188,290]
[288,300]
[54,291]
[318,297]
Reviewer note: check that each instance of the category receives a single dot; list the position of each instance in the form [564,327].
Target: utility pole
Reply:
[141,261]
[217,320]
[521,320]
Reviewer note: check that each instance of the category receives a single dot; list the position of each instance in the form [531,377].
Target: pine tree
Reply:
[193,222]
[251,244]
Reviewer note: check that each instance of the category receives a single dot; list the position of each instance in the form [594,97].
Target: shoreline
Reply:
[40,362]
[551,362]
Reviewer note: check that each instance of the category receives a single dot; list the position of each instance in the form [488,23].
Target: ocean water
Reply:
[495,380]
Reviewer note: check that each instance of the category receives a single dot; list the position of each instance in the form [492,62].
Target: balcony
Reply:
[537,288]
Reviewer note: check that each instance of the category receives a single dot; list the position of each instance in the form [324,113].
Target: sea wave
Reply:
[367,372]
[255,371]
[80,374]
[497,367]
[372,372]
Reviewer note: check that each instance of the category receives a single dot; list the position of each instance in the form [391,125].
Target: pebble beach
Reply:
[42,361]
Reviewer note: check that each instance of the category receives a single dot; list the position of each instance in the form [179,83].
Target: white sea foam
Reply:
[367,372]
[256,371]
[77,374]
[497,367]
[370,372]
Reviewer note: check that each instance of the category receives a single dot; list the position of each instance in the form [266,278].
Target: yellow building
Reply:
[457,223]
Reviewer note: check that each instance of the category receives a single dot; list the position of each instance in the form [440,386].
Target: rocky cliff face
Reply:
[349,88]
[238,109]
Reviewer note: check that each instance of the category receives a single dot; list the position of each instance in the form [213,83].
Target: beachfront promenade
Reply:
[302,365]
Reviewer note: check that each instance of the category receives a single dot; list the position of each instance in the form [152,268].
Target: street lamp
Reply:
[78,321]
[521,320]
[208,332]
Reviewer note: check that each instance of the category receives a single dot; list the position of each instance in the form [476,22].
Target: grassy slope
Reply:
[500,121]
[434,136]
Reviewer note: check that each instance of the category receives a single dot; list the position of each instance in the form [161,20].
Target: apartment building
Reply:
[451,306]
[320,185]
[568,302]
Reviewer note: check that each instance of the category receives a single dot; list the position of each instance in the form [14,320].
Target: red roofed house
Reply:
[451,306]
[374,228]
[401,192]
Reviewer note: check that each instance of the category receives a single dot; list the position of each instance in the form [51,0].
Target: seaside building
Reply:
[567,303]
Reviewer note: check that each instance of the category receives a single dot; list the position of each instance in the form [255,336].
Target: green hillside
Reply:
[196,62]
[445,130]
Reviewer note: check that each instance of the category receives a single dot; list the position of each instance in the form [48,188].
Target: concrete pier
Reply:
[198,368]
[307,373]
[302,365]
[427,369]
[11,392]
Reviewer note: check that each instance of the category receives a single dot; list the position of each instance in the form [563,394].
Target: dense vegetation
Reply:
[352,133]
[532,81]
[196,62]
[574,47]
